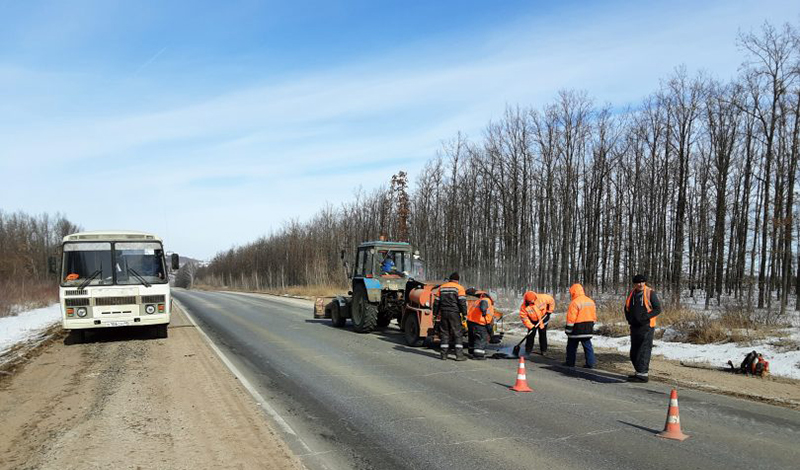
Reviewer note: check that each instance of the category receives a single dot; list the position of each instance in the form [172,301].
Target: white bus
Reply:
[111,279]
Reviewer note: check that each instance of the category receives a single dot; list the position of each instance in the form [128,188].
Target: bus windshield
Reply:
[124,263]
[85,261]
[137,261]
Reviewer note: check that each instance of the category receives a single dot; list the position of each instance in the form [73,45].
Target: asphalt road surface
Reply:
[369,401]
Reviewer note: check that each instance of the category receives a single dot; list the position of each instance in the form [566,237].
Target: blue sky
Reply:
[212,123]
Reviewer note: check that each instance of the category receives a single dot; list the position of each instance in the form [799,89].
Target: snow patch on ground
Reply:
[783,363]
[27,326]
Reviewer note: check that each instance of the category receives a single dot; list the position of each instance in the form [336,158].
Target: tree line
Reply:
[26,243]
[695,187]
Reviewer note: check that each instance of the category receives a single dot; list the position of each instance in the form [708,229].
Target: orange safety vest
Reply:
[476,316]
[646,304]
[530,314]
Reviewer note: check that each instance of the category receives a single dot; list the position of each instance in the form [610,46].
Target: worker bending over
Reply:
[479,325]
[535,313]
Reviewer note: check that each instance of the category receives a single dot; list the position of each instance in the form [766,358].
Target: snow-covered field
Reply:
[27,326]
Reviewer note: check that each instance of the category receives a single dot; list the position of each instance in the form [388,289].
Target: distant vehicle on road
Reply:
[112,279]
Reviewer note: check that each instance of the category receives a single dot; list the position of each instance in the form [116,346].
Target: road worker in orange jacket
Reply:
[581,315]
[535,313]
[479,325]
[450,306]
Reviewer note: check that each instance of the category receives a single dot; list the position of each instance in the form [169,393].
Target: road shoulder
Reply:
[124,400]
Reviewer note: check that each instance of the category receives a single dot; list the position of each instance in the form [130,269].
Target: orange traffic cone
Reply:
[672,430]
[522,382]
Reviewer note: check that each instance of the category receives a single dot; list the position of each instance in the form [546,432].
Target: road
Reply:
[369,401]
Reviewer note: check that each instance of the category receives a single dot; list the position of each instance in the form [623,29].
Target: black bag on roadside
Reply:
[747,364]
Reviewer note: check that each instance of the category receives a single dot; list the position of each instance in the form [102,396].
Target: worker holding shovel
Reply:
[535,313]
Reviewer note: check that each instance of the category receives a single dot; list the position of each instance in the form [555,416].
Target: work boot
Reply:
[460,355]
[638,378]
[443,354]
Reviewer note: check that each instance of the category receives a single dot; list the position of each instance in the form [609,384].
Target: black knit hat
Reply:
[453,277]
[639,278]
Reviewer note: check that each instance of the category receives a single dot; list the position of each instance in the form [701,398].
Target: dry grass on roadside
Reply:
[295,291]
[734,323]
[687,325]
[310,291]
[611,320]
[19,296]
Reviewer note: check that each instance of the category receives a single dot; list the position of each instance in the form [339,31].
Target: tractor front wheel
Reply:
[336,318]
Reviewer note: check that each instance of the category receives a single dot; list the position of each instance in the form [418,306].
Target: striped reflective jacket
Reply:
[452,298]
[581,314]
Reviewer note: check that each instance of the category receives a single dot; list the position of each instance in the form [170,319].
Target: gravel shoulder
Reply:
[124,400]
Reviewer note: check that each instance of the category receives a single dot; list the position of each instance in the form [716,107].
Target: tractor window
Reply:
[393,262]
[358,269]
[363,263]
[388,264]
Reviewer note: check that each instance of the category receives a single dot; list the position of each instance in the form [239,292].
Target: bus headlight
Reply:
[150,309]
[82,312]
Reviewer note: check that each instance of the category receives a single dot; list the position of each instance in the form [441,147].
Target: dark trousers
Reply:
[542,341]
[641,347]
[478,337]
[450,330]
[588,351]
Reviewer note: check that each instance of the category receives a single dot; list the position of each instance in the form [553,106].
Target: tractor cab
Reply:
[383,259]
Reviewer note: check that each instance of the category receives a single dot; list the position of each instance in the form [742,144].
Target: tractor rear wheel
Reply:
[364,314]
[411,330]
[336,318]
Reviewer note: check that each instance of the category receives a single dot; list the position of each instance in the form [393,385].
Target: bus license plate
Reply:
[117,323]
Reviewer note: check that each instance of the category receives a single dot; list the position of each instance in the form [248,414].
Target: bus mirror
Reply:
[176,261]
[51,264]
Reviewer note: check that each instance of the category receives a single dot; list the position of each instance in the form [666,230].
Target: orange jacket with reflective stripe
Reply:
[451,298]
[647,304]
[481,317]
[581,314]
[531,313]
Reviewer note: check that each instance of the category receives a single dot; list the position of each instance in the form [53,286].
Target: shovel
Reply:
[533,330]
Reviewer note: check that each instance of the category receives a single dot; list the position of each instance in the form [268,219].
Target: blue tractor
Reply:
[378,281]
